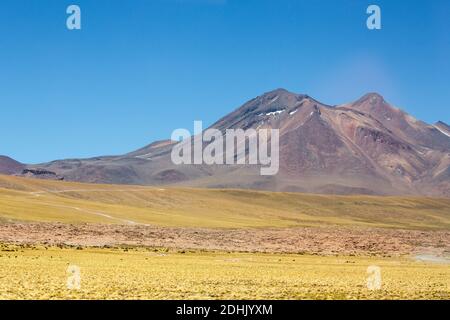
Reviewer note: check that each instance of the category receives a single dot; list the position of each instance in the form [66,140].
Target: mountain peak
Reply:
[442,123]
[375,104]
[281,93]
[443,127]
[265,109]
[278,91]
[372,97]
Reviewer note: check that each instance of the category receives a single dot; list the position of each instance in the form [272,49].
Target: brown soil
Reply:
[323,240]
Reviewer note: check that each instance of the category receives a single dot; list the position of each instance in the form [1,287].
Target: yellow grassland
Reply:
[23,199]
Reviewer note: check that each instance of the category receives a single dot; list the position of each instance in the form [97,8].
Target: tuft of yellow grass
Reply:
[133,273]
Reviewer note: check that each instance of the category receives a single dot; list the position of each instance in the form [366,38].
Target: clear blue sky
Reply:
[139,69]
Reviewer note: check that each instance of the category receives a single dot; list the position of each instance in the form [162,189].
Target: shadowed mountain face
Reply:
[365,147]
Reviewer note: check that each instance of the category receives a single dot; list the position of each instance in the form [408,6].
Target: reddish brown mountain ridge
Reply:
[364,147]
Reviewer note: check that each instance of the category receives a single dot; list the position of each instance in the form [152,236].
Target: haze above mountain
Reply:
[364,147]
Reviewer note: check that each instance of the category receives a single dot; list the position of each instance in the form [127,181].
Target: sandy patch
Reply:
[319,240]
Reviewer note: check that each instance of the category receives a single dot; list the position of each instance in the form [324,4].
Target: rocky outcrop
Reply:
[41,173]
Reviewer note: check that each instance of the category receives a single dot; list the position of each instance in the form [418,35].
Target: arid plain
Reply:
[181,243]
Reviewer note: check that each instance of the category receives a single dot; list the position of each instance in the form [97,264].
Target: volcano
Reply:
[364,147]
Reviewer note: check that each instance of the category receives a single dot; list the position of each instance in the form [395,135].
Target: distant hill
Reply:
[10,166]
